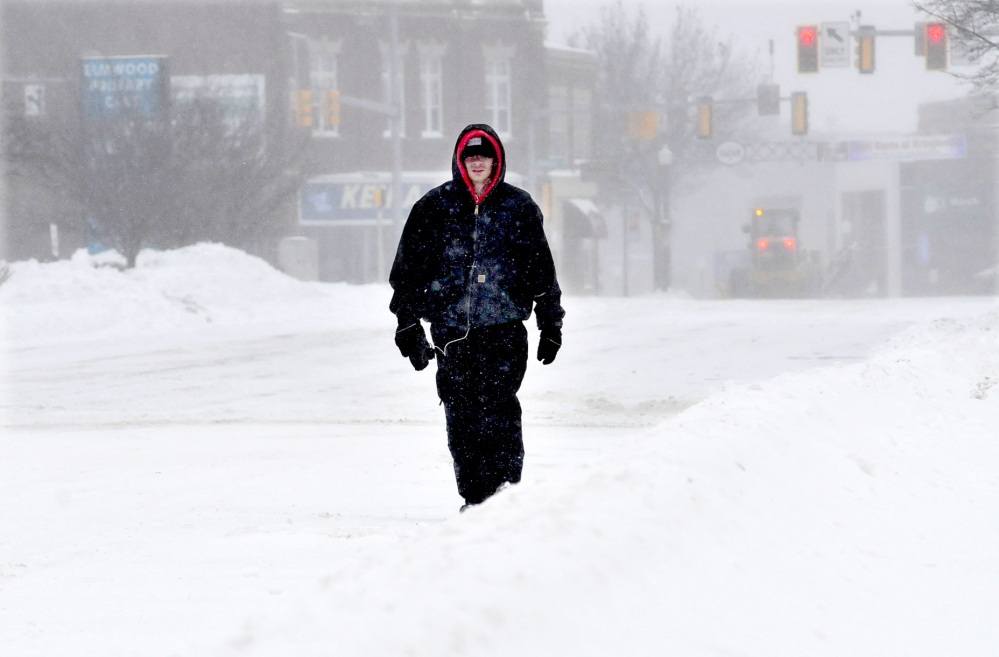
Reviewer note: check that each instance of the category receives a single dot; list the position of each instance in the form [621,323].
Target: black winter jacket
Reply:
[471,262]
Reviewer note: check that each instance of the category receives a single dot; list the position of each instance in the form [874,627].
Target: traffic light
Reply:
[808,49]
[643,125]
[332,116]
[865,49]
[799,113]
[936,47]
[303,108]
[704,118]
[768,99]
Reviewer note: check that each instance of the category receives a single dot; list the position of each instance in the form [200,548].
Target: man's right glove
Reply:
[549,344]
[412,343]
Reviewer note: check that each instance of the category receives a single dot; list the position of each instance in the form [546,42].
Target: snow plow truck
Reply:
[776,265]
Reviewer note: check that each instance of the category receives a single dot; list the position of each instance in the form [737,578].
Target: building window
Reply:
[558,133]
[431,88]
[498,87]
[582,124]
[387,94]
[322,81]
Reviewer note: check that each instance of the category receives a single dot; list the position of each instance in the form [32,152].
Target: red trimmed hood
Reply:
[499,167]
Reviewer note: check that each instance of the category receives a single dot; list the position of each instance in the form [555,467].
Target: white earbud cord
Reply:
[471,282]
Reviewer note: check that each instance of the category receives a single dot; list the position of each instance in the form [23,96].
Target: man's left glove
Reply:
[412,343]
[549,344]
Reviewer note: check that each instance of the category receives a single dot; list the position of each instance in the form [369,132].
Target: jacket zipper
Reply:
[470,287]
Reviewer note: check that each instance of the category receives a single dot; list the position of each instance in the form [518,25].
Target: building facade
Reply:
[950,219]
[458,63]
[240,45]
[334,71]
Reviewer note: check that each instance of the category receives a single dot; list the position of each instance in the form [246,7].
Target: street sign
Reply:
[240,97]
[909,149]
[730,152]
[549,163]
[116,86]
[359,199]
[835,44]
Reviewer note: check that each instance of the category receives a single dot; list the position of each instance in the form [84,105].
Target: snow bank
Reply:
[179,290]
[851,510]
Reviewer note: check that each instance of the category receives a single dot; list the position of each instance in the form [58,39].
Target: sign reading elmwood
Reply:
[118,86]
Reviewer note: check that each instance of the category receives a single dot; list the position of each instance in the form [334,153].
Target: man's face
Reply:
[479,168]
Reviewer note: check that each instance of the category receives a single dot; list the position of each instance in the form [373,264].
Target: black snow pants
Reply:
[477,380]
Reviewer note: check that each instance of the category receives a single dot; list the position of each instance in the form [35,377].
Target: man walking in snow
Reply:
[474,262]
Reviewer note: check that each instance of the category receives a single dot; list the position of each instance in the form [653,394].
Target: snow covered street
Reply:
[205,457]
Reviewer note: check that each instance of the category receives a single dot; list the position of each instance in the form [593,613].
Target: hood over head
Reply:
[478,139]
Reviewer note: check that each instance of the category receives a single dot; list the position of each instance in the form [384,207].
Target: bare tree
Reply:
[975,25]
[638,70]
[193,175]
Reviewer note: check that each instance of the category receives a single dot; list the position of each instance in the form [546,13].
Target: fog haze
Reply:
[840,99]
[751,443]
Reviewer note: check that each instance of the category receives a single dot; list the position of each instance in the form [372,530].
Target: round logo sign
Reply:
[730,152]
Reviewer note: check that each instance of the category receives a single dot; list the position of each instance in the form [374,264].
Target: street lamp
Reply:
[665,156]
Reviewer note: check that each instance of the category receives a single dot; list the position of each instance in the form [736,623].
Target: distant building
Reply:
[950,208]
[241,42]
[324,67]
[574,224]
[460,62]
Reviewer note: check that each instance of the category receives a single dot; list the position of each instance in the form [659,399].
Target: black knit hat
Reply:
[478,146]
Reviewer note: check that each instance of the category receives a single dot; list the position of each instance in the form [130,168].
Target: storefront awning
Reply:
[583,219]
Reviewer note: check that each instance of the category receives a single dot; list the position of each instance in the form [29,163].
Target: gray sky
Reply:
[840,99]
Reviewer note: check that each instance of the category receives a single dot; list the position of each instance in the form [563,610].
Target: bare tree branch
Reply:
[140,181]
[975,24]
[636,69]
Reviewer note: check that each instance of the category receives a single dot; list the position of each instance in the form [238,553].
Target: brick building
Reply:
[325,67]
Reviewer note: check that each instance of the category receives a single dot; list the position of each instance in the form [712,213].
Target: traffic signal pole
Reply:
[931,41]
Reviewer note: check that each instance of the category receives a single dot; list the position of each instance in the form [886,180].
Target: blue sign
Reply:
[355,203]
[116,86]
[909,148]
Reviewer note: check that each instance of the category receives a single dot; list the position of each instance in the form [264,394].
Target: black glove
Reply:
[549,344]
[412,343]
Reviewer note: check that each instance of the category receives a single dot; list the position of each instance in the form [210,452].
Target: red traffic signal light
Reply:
[808,49]
[936,47]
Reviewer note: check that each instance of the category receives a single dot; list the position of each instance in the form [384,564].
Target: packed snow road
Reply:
[202,456]
[630,362]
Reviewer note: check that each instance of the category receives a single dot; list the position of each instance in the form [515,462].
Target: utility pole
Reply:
[661,233]
[395,99]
